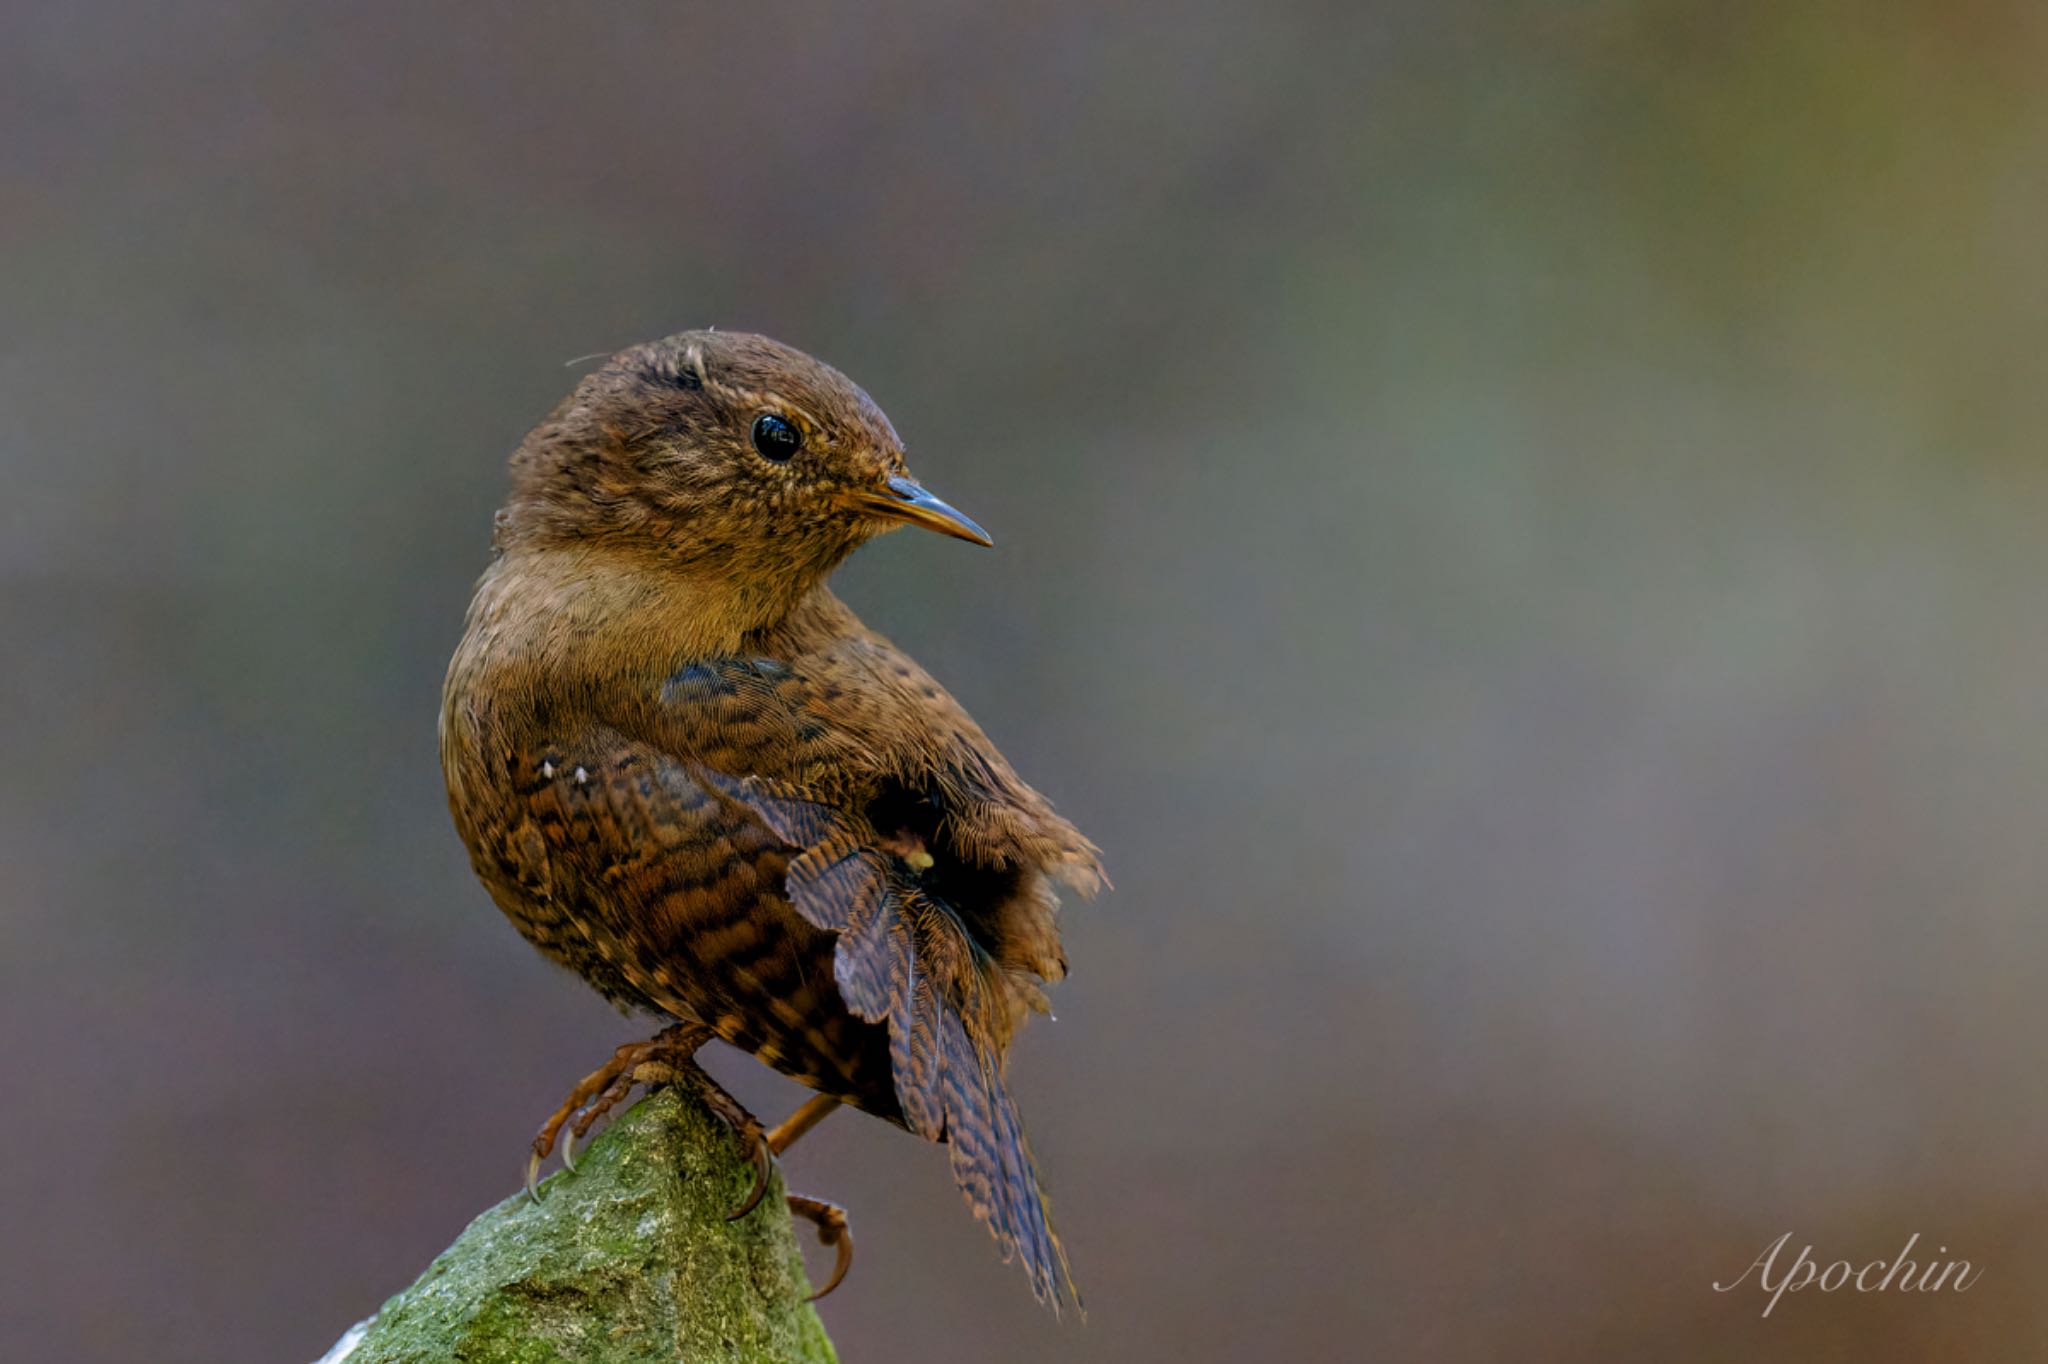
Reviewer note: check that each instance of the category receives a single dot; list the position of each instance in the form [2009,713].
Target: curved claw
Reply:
[569,1150]
[830,1220]
[533,1176]
[844,1242]
[764,1164]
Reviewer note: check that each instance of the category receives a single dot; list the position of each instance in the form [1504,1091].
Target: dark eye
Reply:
[776,438]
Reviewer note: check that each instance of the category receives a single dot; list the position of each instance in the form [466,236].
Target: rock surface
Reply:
[628,1260]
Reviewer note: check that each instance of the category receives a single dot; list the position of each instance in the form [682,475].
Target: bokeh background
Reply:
[1521,533]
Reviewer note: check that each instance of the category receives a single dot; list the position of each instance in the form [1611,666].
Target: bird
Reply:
[688,772]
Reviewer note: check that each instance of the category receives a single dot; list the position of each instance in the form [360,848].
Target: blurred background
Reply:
[1520,533]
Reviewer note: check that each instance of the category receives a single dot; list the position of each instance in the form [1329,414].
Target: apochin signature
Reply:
[1898,1274]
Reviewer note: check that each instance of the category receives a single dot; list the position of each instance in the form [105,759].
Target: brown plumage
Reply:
[688,772]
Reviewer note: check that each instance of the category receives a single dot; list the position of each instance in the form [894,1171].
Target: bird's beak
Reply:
[904,499]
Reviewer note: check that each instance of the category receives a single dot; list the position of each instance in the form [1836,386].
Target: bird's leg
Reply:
[658,1060]
[814,1111]
[830,1220]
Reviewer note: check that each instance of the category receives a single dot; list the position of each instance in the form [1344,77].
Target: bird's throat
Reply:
[598,615]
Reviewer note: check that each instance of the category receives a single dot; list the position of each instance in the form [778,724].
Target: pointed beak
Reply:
[903,499]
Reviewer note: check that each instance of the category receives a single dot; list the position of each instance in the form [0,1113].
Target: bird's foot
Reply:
[830,1220]
[748,1129]
[670,1057]
[661,1059]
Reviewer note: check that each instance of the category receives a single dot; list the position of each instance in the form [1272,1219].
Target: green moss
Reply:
[630,1259]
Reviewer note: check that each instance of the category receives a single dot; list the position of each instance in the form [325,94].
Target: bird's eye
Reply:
[776,438]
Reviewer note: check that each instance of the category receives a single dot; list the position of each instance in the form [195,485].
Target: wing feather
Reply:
[914,843]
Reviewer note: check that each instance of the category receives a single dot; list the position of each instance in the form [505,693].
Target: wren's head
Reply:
[723,455]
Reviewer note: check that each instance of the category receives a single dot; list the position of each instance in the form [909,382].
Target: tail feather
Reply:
[906,959]
[949,1082]
[914,1055]
[993,1167]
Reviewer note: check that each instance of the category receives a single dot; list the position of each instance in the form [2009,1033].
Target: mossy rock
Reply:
[629,1260]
